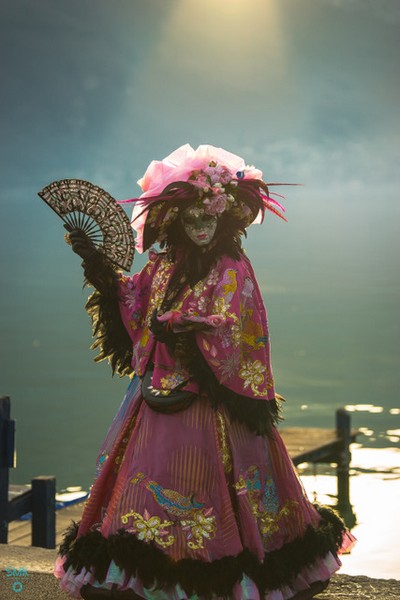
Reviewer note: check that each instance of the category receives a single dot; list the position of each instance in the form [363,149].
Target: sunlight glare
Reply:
[239,41]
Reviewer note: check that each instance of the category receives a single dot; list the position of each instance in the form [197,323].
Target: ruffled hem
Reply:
[72,583]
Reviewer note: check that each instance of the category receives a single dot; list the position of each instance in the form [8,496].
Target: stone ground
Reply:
[40,584]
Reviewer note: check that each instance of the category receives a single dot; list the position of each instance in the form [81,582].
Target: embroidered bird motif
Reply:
[170,500]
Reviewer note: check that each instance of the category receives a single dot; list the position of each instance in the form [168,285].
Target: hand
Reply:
[80,243]
[160,330]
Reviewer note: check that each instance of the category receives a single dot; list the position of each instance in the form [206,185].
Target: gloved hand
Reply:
[80,243]
[160,330]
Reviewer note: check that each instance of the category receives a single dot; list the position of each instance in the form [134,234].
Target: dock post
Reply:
[343,430]
[7,434]
[44,512]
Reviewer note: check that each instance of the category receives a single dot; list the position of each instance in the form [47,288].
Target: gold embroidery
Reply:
[219,307]
[269,520]
[231,287]
[263,502]
[158,288]
[197,522]
[223,443]
[149,529]
[240,486]
[252,332]
[145,337]
[199,527]
[254,373]
[119,459]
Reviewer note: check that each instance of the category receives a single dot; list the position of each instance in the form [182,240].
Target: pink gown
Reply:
[194,504]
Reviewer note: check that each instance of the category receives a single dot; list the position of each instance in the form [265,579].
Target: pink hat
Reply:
[211,175]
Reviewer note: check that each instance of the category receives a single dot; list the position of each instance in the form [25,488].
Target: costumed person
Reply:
[195,495]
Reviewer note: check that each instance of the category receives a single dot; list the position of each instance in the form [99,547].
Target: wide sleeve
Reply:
[139,296]
[118,309]
[237,348]
[111,338]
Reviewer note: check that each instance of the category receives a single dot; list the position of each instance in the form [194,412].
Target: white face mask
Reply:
[198,225]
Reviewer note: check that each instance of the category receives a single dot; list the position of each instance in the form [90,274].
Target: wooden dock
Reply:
[312,445]
[20,532]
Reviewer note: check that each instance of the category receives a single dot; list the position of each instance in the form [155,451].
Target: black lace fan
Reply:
[82,205]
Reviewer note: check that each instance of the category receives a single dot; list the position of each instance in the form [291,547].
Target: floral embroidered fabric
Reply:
[227,314]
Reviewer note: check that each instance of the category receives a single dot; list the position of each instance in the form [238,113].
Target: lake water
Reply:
[375,493]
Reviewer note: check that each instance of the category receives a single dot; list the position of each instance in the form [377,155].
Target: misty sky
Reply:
[308,90]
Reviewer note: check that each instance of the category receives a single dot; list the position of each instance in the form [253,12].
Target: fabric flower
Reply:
[215,320]
[200,180]
[215,205]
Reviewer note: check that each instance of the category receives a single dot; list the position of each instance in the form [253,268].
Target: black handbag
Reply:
[175,401]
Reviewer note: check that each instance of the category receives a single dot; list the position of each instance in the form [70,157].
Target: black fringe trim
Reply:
[260,416]
[112,339]
[154,568]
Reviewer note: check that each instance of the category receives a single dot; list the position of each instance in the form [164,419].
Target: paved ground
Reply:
[40,584]
[347,587]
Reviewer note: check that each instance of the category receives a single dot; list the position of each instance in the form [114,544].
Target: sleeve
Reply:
[134,297]
[111,337]
[237,350]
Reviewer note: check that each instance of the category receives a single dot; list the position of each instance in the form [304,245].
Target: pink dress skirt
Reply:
[193,505]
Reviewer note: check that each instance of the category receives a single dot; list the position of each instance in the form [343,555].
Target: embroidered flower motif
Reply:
[149,529]
[229,366]
[203,303]
[253,374]
[196,521]
[172,380]
[200,526]
[219,306]
[213,277]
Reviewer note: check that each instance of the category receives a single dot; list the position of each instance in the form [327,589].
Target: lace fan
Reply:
[82,205]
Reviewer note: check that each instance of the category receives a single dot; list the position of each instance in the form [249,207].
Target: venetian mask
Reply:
[198,225]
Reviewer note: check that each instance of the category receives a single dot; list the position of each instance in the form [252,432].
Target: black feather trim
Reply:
[260,416]
[112,339]
[155,568]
